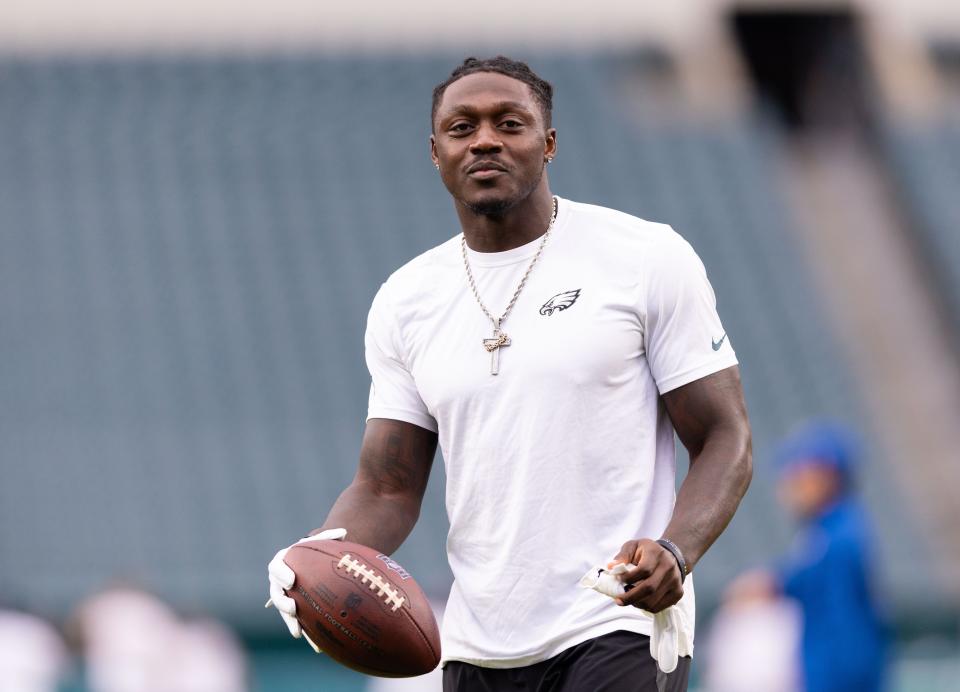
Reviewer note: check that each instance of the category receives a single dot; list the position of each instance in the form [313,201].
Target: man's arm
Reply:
[382,504]
[710,418]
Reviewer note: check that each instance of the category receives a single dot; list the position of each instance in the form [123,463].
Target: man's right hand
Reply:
[282,577]
[381,505]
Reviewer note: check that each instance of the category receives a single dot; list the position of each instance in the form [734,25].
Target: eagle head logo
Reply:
[561,301]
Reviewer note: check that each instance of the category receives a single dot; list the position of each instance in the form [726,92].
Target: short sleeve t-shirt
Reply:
[568,452]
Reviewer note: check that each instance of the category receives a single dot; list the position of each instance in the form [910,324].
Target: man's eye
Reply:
[460,127]
[511,124]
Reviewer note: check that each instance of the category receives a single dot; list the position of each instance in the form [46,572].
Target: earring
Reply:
[437,166]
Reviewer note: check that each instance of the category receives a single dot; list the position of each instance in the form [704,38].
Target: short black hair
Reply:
[542,90]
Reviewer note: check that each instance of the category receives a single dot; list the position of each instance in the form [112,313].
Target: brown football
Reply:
[363,609]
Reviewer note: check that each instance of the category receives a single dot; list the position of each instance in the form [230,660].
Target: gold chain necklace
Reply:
[500,338]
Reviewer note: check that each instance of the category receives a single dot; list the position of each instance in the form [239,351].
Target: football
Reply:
[363,609]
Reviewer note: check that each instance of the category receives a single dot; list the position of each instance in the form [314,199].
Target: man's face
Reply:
[491,141]
[808,488]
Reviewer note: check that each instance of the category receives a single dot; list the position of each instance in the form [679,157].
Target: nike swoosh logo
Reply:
[718,344]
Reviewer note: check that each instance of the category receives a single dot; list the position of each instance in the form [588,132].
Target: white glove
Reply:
[606,581]
[282,577]
[671,636]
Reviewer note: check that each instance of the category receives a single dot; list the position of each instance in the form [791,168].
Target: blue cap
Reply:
[824,442]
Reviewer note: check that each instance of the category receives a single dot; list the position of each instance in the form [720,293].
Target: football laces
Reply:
[369,576]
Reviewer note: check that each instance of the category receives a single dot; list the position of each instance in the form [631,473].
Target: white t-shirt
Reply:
[568,452]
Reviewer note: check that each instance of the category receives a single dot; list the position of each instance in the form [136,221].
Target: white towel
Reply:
[671,636]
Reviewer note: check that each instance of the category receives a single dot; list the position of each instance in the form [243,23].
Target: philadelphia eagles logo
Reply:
[561,301]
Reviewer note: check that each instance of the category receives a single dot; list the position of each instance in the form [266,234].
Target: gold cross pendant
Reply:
[493,346]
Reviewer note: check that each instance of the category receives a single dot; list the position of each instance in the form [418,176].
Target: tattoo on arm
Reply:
[394,473]
[396,457]
[381,506]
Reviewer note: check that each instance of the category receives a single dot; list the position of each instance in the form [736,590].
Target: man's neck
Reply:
[518,226]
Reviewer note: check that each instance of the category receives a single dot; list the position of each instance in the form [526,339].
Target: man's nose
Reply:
[486,139]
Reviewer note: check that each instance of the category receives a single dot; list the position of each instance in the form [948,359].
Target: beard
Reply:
[492,207]
[497,207]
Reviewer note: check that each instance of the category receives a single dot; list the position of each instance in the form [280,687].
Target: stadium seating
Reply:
[925,162]
[188,248]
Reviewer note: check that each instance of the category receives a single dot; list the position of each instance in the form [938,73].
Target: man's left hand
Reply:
[654,581]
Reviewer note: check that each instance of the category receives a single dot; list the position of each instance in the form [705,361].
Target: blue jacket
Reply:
[829,573]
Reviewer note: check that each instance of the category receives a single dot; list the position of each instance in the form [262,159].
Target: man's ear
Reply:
[550,151]
[433,151]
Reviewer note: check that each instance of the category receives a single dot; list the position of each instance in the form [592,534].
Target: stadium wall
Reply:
[59,25]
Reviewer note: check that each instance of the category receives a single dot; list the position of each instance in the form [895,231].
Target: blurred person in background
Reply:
[752,646]
[125,635]
[208,658]
[829,571]
[133,642]
[33,657]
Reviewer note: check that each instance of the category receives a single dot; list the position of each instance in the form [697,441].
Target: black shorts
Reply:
[615,662]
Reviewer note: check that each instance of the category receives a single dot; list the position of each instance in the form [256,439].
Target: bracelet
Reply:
[675,551]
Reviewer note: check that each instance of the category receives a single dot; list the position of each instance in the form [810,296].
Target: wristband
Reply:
[675,551]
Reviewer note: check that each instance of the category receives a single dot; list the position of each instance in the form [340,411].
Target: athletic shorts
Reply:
[615,662]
